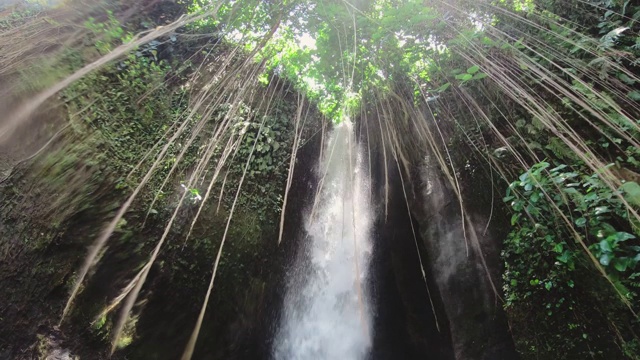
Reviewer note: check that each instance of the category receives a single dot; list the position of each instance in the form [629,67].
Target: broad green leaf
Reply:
[487,41]
[620,264]
[564,258]
[605,246]
[571,190]
[443,87]
[474,69]
[631,192]
[535,197]
[623,236]
[625,78]
[634,95]
[558,248]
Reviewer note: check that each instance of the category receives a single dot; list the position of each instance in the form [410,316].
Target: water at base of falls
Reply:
[326,314]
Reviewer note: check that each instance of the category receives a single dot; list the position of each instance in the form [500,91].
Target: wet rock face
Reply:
[461,257]
[406,327]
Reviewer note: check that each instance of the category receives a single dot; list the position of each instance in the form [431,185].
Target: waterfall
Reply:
[326,314]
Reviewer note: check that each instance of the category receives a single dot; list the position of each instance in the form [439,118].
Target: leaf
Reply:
[474,69]
[534,145]
[623,236]
[634,95]
[480,76]
[467,77]
[631,192]
[625,78]
[605,259]
[606,247]
[571,190]
[580,222]
[558,248]
[443,87]
[565,257]
[620,264]
[537,123]
[487,41]
[535,197]
[464,77]
[518,44]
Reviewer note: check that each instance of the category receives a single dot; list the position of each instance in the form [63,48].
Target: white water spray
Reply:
[326,313]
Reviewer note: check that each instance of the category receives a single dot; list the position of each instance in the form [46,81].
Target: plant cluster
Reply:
[558,212]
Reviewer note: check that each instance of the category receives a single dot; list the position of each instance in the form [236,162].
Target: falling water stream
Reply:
[326,314]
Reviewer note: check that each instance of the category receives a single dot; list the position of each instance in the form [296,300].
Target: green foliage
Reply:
[43,74]
[106,35]
[265,140]
[127,106]
[17,16]
[471,73]
[545,266]
[357,51]
[268,138]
